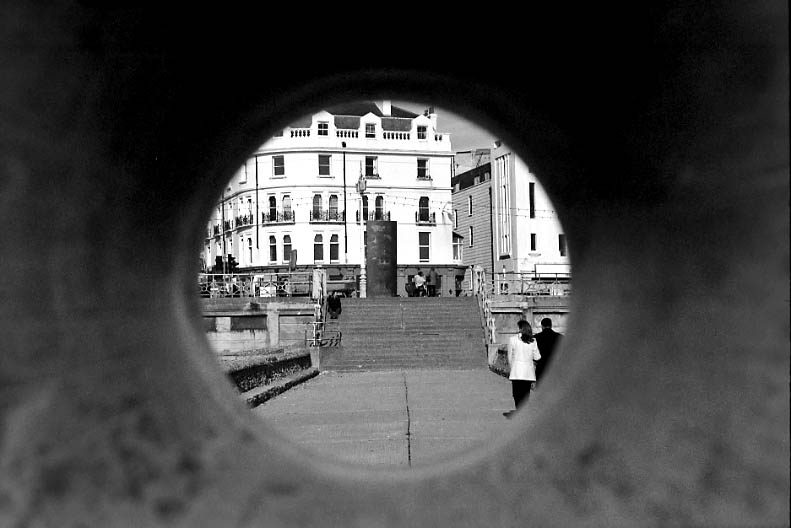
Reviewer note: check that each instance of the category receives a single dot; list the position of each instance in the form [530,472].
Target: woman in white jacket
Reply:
[522,356]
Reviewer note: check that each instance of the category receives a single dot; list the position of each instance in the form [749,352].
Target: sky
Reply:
[465,135]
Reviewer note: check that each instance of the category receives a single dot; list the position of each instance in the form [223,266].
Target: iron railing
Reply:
[327,216]
[531,283]
[422,216]
[280,217]
[288,284]
[374,215]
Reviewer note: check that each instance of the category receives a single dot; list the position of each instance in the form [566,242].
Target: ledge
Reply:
[261,394]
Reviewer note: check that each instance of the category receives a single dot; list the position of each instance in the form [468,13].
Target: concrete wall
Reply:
[667,126]
[239,325]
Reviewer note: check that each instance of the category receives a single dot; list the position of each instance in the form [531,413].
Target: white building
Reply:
[526,232]
[297,193]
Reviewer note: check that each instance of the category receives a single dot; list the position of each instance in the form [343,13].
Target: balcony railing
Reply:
[395,135]
[327,216]
[244,220]
[346,133]
[300,132]
[280,217]
[374,215]
[424,217]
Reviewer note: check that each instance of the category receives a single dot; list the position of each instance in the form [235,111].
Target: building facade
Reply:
[527,234]
[472,211]
[506,223]
[296,201]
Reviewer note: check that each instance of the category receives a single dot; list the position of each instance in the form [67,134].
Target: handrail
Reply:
[485,305]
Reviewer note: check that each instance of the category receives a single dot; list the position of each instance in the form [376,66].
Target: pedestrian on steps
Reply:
[334,308]
[420,284]
[432,280]
[522,357]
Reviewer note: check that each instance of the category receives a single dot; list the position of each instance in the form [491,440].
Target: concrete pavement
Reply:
[395,418]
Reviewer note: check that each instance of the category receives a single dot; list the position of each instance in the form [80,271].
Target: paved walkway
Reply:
[402,418]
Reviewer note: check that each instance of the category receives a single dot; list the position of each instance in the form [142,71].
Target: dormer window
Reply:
[370,130]
[324,128]
[421,132]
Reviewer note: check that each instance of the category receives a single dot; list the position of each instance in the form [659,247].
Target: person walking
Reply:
[522,356]
[334,307]
[420,284]
[547,340]
[432,281]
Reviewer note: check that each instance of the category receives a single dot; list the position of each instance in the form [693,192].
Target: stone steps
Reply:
[407,333]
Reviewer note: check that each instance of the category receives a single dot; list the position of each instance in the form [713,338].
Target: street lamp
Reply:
[363,279]
[345,231]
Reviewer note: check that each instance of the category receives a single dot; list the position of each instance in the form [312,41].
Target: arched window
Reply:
[316,215]
[380,205]
[250,251]
[272,249]
[334,207]
[272,209]
[334,248]
[318,248]
[365,207]
[286,248]
[423,209]
[287,215]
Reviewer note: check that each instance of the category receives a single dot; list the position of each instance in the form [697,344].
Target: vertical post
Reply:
[363,278]
[345,231]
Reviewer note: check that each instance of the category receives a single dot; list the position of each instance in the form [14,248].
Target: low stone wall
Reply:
[264,375]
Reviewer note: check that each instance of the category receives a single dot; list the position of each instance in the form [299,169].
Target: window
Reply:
[324,164]
[423,209]
[380,206]
[470,235]
[469,206]
[455,219]
[422,169]
[371,169]
[334,248]
[316,213]
[457,246]
[476,180]
[532,241]
[287,208]
[370,130]
[421,132]
[365,207]
[286,248]
[278,166]
[318,248]
[272,209]
[562,244]
[532,198]
[334,207]
[424,243]
[272,249]
[324,128]
[250,251]
[365,244]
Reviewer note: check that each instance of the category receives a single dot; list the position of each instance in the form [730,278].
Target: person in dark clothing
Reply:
[432,280]
[334,305]
[547,340]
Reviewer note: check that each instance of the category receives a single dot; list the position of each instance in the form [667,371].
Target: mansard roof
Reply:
[348,115]
[364,107]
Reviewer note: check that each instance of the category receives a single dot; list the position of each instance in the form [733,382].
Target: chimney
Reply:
[386,109]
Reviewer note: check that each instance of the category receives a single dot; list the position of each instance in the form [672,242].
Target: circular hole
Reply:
[402,362]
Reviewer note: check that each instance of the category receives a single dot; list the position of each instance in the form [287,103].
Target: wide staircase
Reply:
[407,333]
